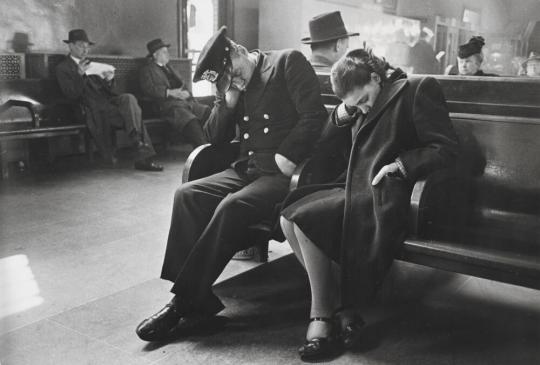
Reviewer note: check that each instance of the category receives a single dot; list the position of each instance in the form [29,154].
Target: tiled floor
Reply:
[81,250]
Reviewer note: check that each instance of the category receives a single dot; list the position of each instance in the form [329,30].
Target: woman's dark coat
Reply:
[409,120]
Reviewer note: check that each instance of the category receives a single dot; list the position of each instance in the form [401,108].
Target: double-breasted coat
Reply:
[279,112]
[409,120]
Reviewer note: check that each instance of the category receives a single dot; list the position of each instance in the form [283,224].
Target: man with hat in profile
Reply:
[271,101]
[173,100]
[328,39]
[104,109]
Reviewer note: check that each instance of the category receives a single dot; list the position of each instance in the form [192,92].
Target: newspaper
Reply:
[98,68]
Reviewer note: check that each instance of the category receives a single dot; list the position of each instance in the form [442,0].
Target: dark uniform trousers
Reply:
[209,224]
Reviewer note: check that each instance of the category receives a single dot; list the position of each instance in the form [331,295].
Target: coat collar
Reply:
[318,60]
[259,80]
[388,93]
[159,69]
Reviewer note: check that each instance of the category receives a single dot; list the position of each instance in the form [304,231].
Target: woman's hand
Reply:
[385,170]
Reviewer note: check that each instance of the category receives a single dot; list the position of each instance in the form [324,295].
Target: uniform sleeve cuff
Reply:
[401,167]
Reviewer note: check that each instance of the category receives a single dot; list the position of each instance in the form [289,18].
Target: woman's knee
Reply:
[286,226]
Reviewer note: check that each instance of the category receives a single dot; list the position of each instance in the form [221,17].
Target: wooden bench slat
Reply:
[474,260]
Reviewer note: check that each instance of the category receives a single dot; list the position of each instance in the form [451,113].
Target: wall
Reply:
[246,22]
[279,26]
[117,26]
[283,24]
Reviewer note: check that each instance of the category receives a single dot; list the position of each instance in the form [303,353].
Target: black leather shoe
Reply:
[147,166]
[321,348]
[161,325]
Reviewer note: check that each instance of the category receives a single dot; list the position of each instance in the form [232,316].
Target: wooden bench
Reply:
[481,219]
[34,107]
[484,218]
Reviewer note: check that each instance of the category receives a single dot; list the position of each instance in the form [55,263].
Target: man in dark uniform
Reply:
[329,40]
[174,102]
[104,108]
[273,99]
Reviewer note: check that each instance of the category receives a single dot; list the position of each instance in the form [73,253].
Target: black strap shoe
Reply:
[321,348]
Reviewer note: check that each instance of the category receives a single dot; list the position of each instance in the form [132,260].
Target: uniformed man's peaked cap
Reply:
[214,57]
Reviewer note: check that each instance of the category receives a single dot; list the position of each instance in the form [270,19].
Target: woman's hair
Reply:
[354,70]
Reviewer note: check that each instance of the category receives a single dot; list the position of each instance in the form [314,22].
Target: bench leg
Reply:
[261,252]
[88,147]
[3,162]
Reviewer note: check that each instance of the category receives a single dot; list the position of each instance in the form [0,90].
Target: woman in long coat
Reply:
[392,131]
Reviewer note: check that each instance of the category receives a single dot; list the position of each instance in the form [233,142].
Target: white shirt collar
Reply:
[77,60]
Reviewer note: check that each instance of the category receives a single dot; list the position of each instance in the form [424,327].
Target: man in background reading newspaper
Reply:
[91,85]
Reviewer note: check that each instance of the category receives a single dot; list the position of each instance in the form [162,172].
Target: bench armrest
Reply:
[433,198]
[315,170]
[209,159]
[32,108]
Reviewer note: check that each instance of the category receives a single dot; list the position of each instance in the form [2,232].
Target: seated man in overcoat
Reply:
[174,102]
[104,109]
[273,100]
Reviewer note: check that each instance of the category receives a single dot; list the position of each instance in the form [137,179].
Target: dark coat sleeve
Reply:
[71,82]
[152,85]
[220,127]
[304,90]
[434,130]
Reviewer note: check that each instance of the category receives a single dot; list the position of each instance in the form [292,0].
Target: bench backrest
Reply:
[40,86]
[498,121]
[42,65]
[512,96]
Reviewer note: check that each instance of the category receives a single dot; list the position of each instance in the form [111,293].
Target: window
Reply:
[202,21]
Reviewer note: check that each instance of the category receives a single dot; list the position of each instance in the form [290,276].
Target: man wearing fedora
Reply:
[104,109]
[173,101]
[329,40]
[271,101]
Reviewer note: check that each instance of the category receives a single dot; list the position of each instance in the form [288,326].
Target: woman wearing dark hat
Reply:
[389,131]
[470,58]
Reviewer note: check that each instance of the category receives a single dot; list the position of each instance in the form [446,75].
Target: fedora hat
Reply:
[77,35]
[154,45]
[327,27]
